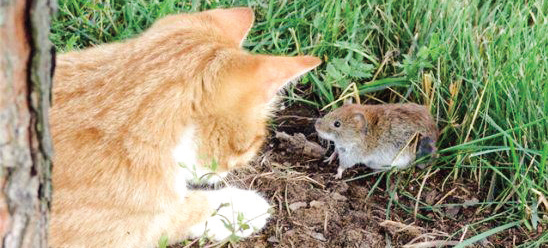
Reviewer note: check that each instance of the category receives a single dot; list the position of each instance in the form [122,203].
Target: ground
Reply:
[311,209]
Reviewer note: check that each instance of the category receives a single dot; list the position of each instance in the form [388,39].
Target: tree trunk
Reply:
[26,67]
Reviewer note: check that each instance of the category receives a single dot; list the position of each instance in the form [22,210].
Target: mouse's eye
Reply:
[337,124]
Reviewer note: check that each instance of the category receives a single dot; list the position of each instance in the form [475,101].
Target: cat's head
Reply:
[246,90]
[232,90]
[249,90]
[248,97]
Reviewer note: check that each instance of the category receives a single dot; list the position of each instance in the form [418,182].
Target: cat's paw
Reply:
[235,212]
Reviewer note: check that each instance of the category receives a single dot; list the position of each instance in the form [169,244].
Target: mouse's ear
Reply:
[348,101]
[359,120]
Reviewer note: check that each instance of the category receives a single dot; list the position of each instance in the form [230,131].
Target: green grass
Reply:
[481,66]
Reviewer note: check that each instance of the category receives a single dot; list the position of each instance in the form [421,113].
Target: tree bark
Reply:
[26,68]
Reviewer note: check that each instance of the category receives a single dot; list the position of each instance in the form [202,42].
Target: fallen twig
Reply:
[396,227]
[434,243]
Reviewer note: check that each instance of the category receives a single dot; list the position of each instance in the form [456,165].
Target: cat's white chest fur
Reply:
[185,156]
[185,153]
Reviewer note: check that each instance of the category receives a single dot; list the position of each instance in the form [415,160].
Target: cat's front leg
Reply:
[234,212]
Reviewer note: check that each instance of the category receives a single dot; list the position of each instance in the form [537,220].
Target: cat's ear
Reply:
[234,22]
[276,71]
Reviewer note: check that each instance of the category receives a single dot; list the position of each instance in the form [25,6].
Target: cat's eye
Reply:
[337,124]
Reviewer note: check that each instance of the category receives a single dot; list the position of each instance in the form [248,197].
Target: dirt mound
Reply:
[311,209]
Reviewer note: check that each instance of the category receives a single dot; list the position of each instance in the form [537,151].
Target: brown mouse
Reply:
[379,136]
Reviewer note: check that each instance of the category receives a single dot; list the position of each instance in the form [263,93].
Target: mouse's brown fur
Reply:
[380,136]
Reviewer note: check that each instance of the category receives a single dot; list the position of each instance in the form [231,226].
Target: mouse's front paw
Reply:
[338,174]
[236,212]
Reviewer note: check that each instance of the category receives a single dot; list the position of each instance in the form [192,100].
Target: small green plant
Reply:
[163,241]
[230,224]
[212,167]
[192,169]
[341,70]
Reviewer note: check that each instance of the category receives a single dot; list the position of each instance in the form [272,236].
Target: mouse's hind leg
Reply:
[426,147]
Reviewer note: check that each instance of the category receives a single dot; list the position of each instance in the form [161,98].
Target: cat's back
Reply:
[76,68]
[78,86]
[100,83]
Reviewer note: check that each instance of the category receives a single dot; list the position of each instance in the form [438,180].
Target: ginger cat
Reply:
[134,121]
